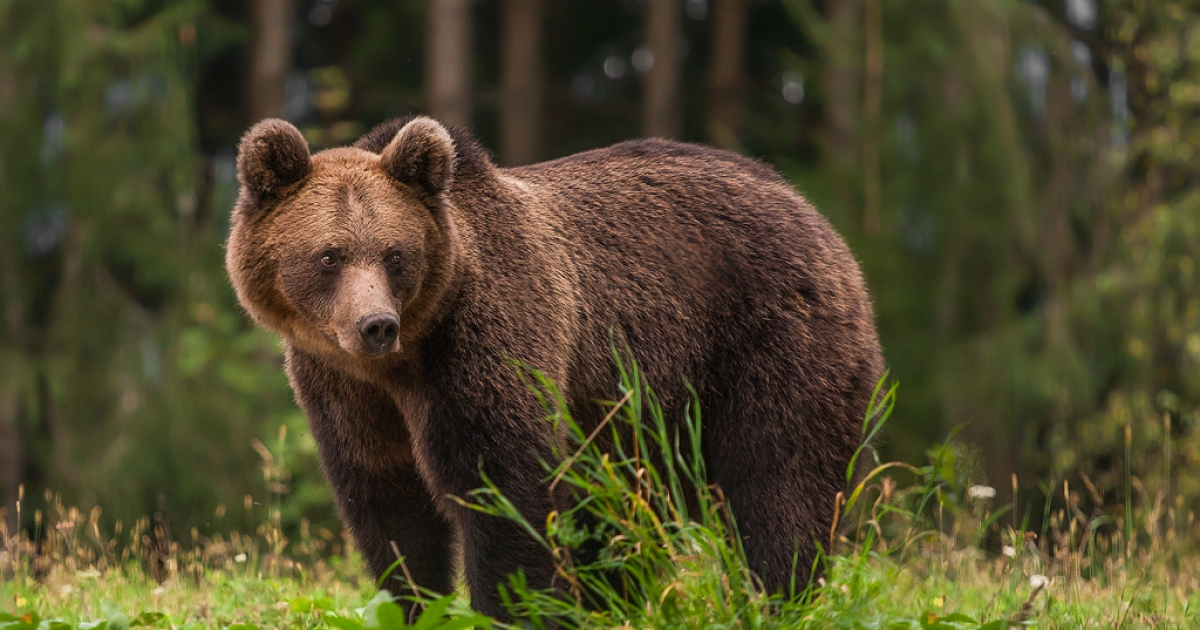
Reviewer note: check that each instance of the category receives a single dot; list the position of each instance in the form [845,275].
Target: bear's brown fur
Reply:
[404,272]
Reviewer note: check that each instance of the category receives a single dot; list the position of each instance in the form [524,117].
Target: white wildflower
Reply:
[1009,551]
[1039,581]
[241,557]
[981,492]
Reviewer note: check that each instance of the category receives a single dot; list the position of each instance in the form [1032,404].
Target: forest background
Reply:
[1019,179]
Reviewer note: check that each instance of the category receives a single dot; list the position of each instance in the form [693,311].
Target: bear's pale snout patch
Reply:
[368,321]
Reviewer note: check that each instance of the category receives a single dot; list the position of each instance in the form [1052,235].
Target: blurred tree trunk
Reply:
[448,61]
[1000,430]
[842,77]
[660,89]
[872,115]
[522,79]
[12,446]
[11,454]
[270,56]
[726,73]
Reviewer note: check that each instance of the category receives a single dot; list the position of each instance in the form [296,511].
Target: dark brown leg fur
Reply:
[366,454]
[399,510]
[781,478]
[469,431]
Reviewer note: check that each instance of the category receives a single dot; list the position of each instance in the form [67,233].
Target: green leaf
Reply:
[117,619]
[370,612]
[997,624]
[433,613]
[932,621]
[29,621]
[242,626]
[468,621]
[390,616]
[305,603]
[343,623]
[147,618]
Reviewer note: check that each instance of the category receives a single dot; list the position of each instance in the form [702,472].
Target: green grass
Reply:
[963,589]
[909,551]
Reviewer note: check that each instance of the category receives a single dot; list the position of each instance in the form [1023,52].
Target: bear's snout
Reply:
[379,331]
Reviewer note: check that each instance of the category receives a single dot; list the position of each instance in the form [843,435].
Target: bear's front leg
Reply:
[507,440]
[394,514]
[366,454]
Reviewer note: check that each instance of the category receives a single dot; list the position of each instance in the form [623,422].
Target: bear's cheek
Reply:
[312,295]
[405,283]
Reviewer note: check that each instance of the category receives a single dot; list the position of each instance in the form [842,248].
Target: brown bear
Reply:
[406,272]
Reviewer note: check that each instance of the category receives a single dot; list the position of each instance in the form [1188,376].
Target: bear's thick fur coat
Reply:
[405,272]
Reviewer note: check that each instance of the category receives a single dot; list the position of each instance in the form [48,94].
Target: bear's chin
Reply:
[363,351]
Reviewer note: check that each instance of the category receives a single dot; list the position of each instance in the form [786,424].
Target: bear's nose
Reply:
[379,330]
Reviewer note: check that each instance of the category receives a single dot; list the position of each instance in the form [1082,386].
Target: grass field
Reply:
[915,548]
[948,588]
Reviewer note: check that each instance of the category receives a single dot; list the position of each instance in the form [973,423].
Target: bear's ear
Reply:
[272,156]
[421,156]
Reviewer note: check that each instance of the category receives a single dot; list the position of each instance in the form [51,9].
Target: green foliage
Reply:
[126,366]
[1144,300]
[113,619]
[382,612]
[1034,268]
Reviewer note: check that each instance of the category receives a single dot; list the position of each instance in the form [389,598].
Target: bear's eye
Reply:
[329,259]
[393,259]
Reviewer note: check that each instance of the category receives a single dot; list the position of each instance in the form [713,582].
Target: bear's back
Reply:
[673,215]
[690,251]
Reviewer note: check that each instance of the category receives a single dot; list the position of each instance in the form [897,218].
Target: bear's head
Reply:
[347,251]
